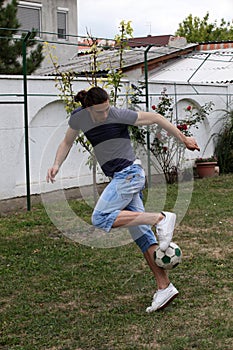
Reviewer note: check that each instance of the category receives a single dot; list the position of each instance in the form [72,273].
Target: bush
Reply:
[224,146]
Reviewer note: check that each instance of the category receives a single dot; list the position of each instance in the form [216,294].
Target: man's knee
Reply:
[100,220]
[103,220]
[143,237]
[96,219]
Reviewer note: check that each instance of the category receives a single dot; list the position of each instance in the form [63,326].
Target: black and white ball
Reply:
[169,259]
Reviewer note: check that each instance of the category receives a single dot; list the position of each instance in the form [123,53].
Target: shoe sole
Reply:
[168,302]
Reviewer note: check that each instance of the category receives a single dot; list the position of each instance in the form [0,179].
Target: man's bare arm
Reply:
[61,154]
[150,118]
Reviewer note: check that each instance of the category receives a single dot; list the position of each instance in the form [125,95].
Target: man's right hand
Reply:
[52,172]
[62,152]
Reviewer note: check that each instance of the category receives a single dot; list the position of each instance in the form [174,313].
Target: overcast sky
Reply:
[102,17]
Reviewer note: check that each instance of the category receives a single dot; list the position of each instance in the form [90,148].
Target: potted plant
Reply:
[206,167]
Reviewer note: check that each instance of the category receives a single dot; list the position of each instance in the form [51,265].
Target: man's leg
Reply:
[114,208]
[166,291]
[146,240]
[120,205]
[160,275]
[128,218]
[164,223]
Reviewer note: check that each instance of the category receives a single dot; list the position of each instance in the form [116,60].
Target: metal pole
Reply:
[26,136]
[147,108]
[199,67]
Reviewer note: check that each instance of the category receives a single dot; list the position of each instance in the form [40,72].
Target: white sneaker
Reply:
[162,298]
[165,230]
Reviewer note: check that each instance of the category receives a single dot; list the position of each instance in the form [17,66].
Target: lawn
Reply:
[60,295]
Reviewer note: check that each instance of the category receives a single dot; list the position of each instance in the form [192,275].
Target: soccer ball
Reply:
[170,258]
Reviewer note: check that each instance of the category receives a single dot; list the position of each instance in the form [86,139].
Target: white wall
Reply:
[48,123]
[47,126]
[184,94]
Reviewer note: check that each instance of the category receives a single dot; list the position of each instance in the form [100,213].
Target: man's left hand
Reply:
[191,144]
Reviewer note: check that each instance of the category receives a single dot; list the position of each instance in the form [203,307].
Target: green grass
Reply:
[57,294]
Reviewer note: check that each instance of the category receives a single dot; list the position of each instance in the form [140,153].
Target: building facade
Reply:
[55,21]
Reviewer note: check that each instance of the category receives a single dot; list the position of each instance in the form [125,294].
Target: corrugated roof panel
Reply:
[212,67]
[109,59]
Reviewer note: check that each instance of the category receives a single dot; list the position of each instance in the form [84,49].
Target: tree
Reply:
[115,76]
[199,30]
[11,46]
[64,82]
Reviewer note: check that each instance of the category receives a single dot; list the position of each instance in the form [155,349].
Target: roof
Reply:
[84,44]
[109,59]
[158,40]
[204,66]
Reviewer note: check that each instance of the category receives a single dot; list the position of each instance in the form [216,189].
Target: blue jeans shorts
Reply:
[124,192]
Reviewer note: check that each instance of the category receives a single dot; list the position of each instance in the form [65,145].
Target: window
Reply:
[29,16]
[61,24]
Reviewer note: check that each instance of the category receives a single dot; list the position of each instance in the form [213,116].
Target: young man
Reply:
[120,204]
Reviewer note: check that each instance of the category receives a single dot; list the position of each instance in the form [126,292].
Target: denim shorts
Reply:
[124,192]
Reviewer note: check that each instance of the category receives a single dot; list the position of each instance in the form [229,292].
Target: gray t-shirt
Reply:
[110,139]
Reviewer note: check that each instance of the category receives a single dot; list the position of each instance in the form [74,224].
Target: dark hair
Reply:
[94,96]
[80,97]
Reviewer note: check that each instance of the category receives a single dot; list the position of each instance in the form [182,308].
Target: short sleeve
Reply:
[125,116]
[74,121]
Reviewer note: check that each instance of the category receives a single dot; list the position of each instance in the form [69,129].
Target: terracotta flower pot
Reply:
[206,169]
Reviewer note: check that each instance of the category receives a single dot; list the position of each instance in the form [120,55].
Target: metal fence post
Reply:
[26,135]
[147,108]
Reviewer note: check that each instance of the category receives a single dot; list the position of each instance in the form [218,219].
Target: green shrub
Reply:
[224,146]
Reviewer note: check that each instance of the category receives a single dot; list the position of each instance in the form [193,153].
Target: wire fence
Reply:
[150,49]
